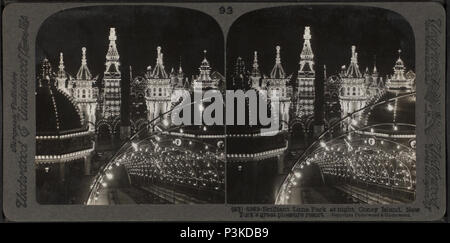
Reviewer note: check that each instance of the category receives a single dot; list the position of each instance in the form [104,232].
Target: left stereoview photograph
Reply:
[107,81]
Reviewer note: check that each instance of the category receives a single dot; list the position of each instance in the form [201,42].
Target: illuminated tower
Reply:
[352,94]
[277,85]
[204,80]
[159,89]
[255,74]
[84,92]
[400,81]
[111,79]
[62,78]
[305,79]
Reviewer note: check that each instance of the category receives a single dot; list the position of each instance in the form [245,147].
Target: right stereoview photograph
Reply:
[341,80]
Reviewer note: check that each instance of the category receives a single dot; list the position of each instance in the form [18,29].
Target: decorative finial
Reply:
[112,34]
[83,56]
[278,58]
[255,59]
[61,61]
[159,55]
[307,34]
[354,58]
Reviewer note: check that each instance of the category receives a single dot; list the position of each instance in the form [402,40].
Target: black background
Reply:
[140,29]
[377,33]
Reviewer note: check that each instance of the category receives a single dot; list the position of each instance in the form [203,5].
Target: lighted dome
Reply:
[60,133]
[55,112]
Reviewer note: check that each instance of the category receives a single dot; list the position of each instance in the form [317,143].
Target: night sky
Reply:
[140,29]
[374,31]
[186,33]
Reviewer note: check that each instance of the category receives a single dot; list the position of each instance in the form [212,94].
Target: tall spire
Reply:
[113,54]
[159,71]
[112,79]
[278,58]
[83,56]
[205,69]
[61,61]
[61,71]
[277,71]
[83,72]
[307,55]
[353,68]
[255,70]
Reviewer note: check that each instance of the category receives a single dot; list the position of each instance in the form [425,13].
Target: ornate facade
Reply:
[353,91]
[85,93]
[204,80]
[399,80]
[159,88]
[277,84]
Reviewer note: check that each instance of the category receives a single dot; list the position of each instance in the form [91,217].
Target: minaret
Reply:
[306,78]
[83,73]
[84,92]
[159,70]
[256,74]
[307,55]
[61,76]
[112,79]
[353,90]
[159,88]
[353,68]
[278,82]
[277,70]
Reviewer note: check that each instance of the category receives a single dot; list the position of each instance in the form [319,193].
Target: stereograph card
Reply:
[214,111]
